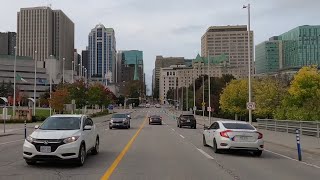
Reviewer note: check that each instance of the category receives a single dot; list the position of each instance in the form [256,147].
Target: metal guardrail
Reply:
[308,128]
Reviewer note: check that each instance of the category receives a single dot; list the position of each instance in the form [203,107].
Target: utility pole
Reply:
[209,88]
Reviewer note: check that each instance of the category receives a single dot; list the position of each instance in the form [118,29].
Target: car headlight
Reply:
[30,139]
[111,121]
[123,120]
[71,139]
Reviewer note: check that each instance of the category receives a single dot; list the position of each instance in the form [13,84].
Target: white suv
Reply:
[62,137]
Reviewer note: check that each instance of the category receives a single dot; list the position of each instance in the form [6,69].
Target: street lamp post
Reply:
[194,92]
[249,61]
[82,71]
[79,71]
[50,78]
[209,88]
[35,83]
[14,82]
[64,59]
[203,106]
[72,71]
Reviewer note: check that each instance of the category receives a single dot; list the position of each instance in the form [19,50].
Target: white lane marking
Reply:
[205,154]
[284,156]
[181,136]
[173,129]
[11,142]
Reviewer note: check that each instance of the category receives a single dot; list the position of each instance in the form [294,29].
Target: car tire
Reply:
[215,147]
[257,153]
[195,127]
[31,162]
[82,155]
[110,127]
[149,122]
[129,126]
[95,150]
[204,141]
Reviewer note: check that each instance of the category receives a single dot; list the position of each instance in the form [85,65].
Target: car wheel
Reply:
[129,126]
[195,127]
[149,122]
[204,141]
[215,147]
[95,150]
[82,155]
[257,153]
[110,127]
[160,123]
[30,162]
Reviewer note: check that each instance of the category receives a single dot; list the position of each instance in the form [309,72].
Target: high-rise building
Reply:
[85,58]
[7,43]
[102,54]
[268,56]
[289,52]
[231,41]
[42,32]
[131,61]
[162,62]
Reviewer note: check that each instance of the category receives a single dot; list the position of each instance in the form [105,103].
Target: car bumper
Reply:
[63,152]
[122,124]
[229,144]
[155,121]
[185,123]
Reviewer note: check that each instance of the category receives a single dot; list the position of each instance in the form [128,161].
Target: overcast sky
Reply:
[169,27]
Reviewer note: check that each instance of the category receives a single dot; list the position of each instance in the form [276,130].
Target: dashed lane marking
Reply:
[181,136]
[205,154]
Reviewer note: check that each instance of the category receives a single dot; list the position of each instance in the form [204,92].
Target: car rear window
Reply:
[238,126]
[188,116]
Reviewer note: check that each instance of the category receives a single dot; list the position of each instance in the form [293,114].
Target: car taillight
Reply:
[225,133]
[260,135]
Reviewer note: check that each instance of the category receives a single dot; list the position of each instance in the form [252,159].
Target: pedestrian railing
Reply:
[308,128]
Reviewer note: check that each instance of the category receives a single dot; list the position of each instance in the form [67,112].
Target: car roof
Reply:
[68,115]
[231,121]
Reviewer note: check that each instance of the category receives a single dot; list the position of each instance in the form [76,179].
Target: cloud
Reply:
[170,27]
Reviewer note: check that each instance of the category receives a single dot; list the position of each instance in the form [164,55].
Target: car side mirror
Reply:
[87,127]
[36,126]
[205,127]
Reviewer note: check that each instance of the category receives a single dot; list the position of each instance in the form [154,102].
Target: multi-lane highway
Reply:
[153,152]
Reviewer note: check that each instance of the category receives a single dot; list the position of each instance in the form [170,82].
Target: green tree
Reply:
[78,92]
[234,97]
[95,94]
[58,98]
[303,100]
[170,94]
[268,95]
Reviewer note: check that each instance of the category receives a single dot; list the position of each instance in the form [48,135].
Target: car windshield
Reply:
[61,123]
[238,126]
[119,116]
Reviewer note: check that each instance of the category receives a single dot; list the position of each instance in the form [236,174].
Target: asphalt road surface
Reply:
[156,152]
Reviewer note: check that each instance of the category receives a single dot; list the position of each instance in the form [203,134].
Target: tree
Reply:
[99,95]
[268,95]
[44,99]
[303,100]
[58,98]
[170,94]
[234,97]
[78,92]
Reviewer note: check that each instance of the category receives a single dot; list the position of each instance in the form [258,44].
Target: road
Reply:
[153,152]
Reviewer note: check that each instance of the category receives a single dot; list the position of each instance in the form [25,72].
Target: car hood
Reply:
[54,134]
[118,119]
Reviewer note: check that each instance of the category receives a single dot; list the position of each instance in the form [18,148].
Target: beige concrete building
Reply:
[231,41]
[163,62]
[42,32]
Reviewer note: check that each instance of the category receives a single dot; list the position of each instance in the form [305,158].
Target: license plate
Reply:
[243,138]
[45,149]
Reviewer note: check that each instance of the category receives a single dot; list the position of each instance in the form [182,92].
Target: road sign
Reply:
[209,109]
[251,105]
[110,107]
[203,104]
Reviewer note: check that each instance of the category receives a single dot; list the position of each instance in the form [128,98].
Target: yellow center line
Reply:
[116,162]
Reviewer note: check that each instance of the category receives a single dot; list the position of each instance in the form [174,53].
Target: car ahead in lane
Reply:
[62,137]
[119,121]
[233,135]
[148,105]
[187,120]
[155,119]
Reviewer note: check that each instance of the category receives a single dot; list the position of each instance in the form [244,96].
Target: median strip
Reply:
[116,162]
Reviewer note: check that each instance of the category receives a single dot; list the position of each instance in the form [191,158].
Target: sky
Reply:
[169,27]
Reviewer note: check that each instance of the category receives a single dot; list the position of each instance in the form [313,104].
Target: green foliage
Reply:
[268,95]
[78,92]
[99,114]
[234,97]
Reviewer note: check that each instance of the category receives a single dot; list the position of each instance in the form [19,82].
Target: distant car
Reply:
[158,106]
[155,119]
[233,135]
[148,105]
[187,120]
[62,137]
[119,121]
